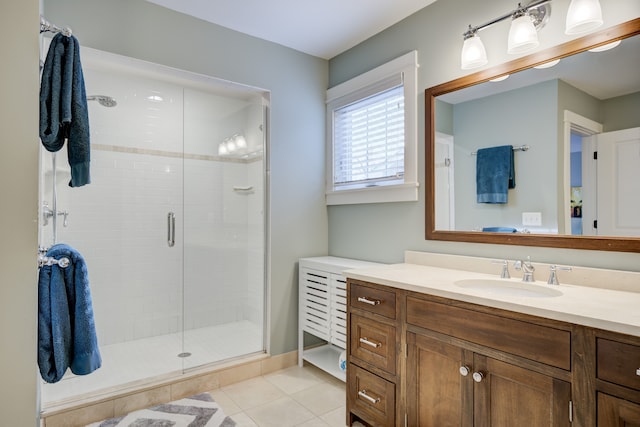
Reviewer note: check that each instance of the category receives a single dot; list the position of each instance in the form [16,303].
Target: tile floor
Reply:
[305,397]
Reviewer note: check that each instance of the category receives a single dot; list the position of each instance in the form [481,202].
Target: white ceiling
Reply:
[322,28]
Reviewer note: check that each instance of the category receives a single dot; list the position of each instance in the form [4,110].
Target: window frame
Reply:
[402,70]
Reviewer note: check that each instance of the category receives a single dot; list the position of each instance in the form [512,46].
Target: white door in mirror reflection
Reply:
[618,201]
[444,200]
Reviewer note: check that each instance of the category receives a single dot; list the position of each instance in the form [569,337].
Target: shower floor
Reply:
[146,358]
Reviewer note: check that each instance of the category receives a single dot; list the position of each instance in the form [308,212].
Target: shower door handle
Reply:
[171,229]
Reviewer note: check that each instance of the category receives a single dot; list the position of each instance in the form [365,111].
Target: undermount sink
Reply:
[509,288]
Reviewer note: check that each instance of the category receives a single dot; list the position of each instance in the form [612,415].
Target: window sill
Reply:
[407,192]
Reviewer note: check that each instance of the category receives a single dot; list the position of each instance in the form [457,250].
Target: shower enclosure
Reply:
[172,225]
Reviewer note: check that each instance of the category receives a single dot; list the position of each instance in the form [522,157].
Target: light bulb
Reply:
[240,141]
[231,145]
[473,53]
[583,16]
[222,149]
[522,35]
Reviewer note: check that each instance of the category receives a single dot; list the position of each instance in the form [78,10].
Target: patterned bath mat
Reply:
[195,411]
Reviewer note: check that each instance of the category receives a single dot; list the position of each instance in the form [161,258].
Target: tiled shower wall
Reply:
[139,174]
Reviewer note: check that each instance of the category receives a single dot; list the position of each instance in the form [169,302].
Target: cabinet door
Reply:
[614,412]
[507,395]
[314,302]
[438,395]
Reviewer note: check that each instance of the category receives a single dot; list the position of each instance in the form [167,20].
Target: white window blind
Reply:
[372,135]
[369,139]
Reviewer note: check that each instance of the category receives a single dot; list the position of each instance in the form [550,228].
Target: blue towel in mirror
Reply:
[495,174]
[499,229]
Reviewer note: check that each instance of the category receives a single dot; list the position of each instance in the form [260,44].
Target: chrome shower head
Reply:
[105,101]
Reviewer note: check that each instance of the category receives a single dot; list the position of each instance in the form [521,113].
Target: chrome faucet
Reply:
[527,269]
[553,276]
[504,274]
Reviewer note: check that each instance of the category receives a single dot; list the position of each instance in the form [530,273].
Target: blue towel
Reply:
[495,174]
[66,328]
[63,106]
[499,229]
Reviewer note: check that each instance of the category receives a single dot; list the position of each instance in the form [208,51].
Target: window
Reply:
[372,132]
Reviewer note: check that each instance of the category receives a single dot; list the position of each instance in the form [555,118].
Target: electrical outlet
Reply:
[532,218]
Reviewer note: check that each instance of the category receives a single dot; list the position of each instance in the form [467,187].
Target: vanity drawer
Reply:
[536,342]
[375,300]
[373,342]
[618,363]
[371,397]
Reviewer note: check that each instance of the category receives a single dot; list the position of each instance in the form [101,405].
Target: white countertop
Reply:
[612,310]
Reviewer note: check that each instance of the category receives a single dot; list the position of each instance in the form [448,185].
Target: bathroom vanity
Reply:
[433,346]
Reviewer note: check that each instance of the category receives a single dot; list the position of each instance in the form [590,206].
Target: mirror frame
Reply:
[600,243]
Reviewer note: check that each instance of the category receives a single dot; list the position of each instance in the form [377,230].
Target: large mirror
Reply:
[554,119]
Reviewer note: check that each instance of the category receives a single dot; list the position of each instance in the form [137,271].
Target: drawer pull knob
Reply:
[638,372]
[478,377]
[365,340]
[369,301]
[363,394]
[464,370]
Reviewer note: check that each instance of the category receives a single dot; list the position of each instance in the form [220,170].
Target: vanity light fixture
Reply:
[473,52]
[500,78]
[523,35]
[582,16]
[235,145]
[548,64]
[605,47]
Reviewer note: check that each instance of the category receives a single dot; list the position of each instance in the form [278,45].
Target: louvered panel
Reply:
[338,310]
[315,303]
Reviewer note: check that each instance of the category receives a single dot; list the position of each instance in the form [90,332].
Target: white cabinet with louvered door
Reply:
[323,310]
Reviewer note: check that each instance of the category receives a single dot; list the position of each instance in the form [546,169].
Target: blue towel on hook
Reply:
[495,174]
[66,328]
[63,106]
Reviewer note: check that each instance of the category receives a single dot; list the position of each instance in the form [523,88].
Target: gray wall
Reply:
[19,195]
[506,119]
[297,83]
[382,232]
[621,112]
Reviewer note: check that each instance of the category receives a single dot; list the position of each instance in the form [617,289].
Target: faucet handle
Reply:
[553,276]
[504,274]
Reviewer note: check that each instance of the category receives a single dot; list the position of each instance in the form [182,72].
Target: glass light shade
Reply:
[231,145]
[583,16]
[605,47]
[501,78]
[522,35]
[547,64]
[473,53]
[240,141]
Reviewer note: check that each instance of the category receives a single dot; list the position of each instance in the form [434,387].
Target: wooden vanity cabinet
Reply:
[442,389]
[454,380]
[373,388]
[618,380]
[417,360]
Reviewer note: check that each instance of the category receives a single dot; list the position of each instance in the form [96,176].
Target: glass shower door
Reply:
[171,225]
[224,240]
